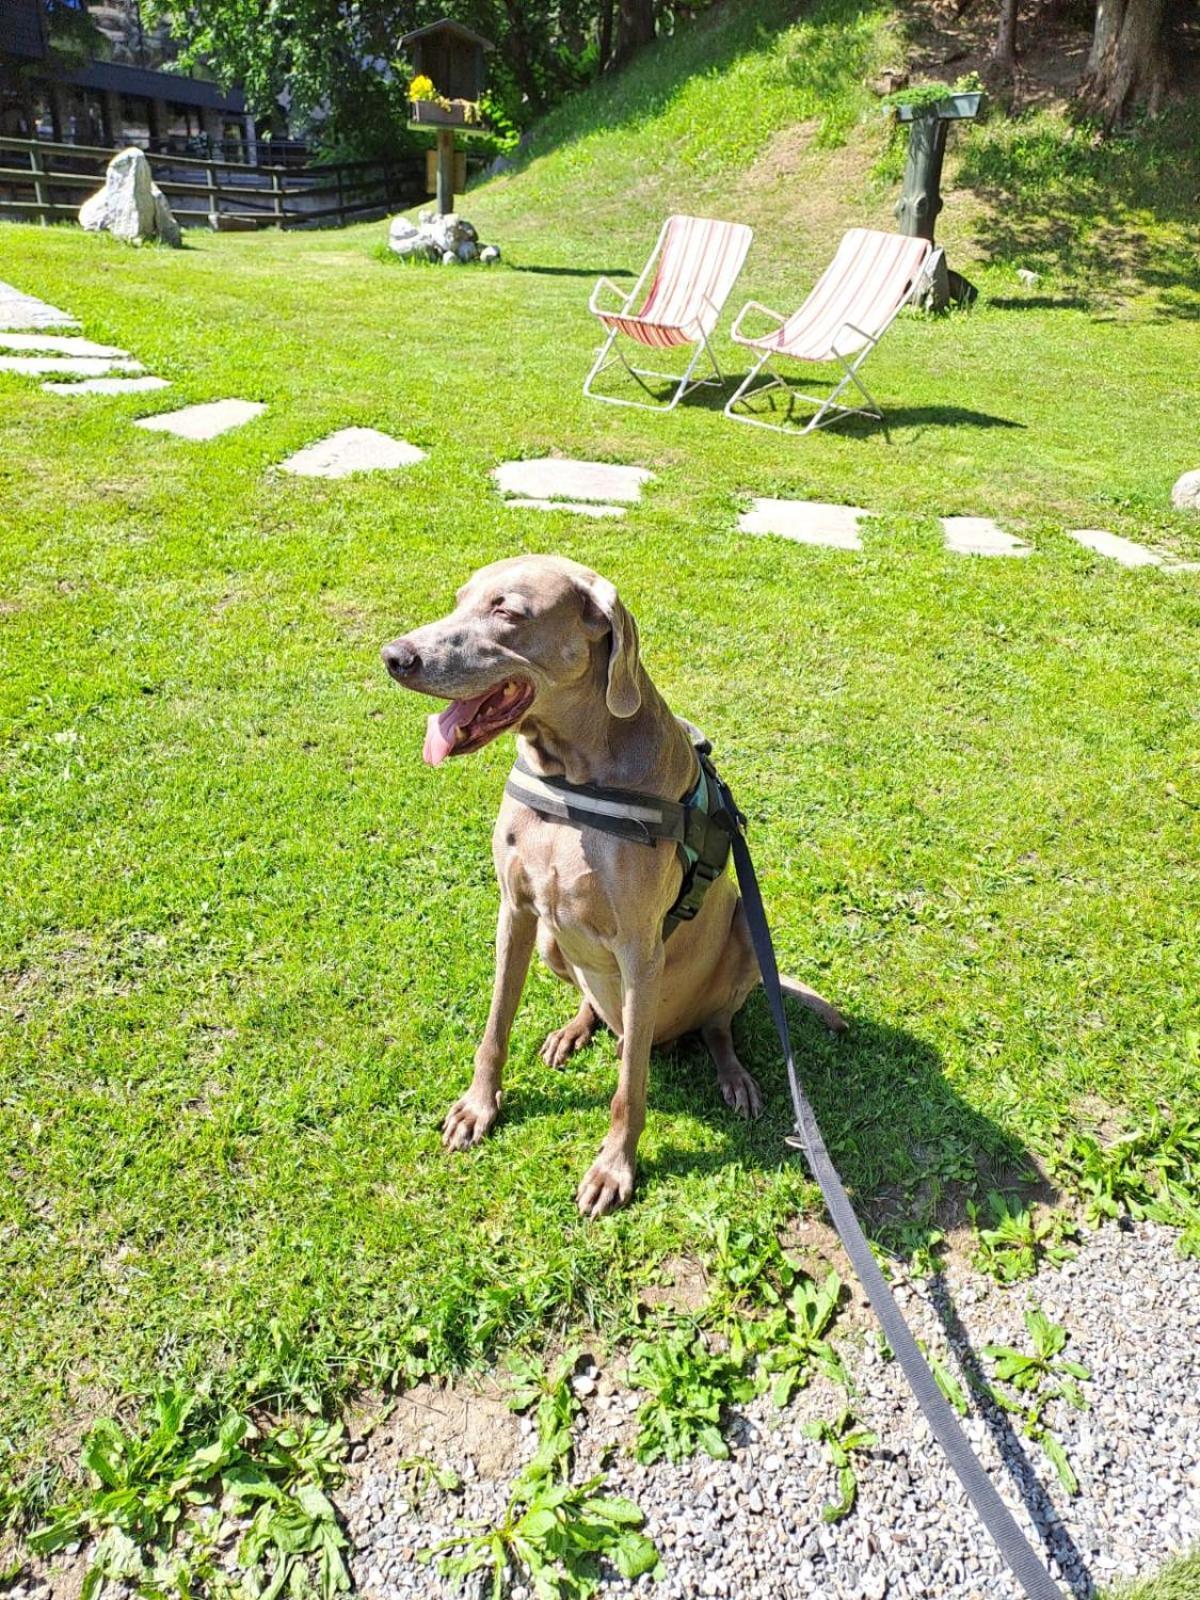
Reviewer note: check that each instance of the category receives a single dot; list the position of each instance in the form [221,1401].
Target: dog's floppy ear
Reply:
[623,695]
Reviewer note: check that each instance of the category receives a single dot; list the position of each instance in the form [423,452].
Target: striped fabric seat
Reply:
[698,263]
[854,299]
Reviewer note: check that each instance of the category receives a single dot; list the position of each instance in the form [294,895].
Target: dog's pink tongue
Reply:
[442,726]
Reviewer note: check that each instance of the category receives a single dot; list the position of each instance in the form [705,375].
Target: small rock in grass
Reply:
[1185,496]
[490,252]
[1028,277]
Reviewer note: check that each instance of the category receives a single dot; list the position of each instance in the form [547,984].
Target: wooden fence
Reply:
[47,181]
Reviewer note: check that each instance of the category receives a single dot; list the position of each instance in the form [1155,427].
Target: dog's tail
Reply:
[829,1015]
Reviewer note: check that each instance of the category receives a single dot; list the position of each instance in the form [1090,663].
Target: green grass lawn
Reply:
[245,933]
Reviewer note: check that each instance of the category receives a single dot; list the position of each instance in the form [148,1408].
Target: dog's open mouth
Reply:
[466,725]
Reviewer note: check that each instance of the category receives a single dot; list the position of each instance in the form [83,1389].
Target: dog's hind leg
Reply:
[562,1044]
[738,1089]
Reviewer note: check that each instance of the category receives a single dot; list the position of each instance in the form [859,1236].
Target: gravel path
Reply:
[751,1527]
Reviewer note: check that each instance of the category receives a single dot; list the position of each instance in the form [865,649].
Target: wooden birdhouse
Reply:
[448,63]
[450,56]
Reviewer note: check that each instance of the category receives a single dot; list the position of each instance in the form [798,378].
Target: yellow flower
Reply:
[421,88]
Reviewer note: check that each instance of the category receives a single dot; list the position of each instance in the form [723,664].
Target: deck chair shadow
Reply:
[690,273]
[852,305]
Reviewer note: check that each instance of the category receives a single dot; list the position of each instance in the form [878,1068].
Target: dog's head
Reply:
[523,631]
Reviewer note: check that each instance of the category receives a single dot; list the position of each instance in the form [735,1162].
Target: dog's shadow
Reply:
[910,1149]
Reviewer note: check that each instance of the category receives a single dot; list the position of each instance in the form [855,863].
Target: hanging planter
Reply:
[436,114]
[951,108]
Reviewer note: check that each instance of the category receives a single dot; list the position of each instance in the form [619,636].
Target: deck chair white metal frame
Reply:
[693,327]
[840,339]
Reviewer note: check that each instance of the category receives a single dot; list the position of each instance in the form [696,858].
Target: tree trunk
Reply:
[605,40]
[635,27]
[1128,65]
[1004,56]
[517,49]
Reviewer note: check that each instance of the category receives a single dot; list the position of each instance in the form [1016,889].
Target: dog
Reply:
[546,647]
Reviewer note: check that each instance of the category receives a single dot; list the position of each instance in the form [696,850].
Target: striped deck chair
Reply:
[694,265]
[853,304]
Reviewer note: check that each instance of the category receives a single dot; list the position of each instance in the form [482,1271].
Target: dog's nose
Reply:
[400,659]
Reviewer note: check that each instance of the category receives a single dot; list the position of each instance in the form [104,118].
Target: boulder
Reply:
[1185,496]
[432,238]
[406,239]
[130,206]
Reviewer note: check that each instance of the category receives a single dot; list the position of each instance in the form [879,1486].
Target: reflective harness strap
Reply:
[705,826]
[691,824]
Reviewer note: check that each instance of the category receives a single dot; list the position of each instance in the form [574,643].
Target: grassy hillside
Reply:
[245,939]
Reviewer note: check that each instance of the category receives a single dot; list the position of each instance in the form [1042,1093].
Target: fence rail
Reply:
[42,180]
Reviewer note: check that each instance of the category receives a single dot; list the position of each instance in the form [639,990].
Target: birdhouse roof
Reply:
[447,25]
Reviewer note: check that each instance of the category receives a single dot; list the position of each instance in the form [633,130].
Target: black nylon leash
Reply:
[1023,1560]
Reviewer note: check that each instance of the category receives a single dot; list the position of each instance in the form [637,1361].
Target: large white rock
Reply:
[130,206]
[448,239]
[406,239]
[1185,496]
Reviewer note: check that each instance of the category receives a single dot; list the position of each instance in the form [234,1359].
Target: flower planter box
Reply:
[954,108]
[430,114]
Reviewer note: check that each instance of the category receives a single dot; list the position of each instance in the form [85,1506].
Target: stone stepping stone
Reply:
[559,478]
[1125,551]
[19,310]
[108,386]
[806,522]
[352,450]
[203,421]
[81,366]
[58,346]
[980,536]
[577,508]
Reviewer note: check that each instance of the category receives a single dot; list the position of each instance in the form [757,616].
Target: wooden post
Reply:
[39,183]
[214,192]
[277,199]
[445,171]
[341,200]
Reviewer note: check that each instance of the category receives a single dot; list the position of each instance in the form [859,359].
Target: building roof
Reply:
[148,85]
[447,25]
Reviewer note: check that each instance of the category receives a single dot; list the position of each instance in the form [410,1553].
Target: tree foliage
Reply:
[338,68]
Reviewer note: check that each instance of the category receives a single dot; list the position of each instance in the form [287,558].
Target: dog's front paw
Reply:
[468,1119]
[608,1184]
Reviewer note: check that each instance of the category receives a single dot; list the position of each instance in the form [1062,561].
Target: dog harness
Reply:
[700,825]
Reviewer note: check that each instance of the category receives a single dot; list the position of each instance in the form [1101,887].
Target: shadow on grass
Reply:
[908,1147]
[576,272]
[1118,212]
[1039,302]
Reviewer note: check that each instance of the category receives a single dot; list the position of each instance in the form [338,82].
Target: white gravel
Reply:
[751,1527]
